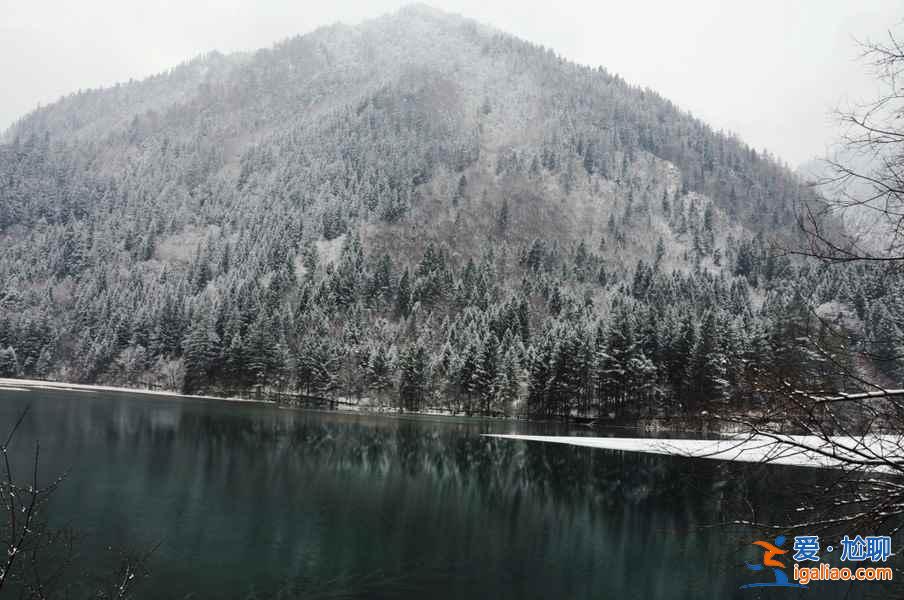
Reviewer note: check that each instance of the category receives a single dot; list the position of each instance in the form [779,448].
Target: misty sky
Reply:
[770,70]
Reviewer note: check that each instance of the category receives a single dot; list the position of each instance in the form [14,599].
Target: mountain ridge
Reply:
[344,205]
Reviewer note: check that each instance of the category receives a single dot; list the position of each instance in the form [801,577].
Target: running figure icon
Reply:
[770,551]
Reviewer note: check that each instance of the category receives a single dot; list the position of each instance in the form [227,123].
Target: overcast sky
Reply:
[770,70]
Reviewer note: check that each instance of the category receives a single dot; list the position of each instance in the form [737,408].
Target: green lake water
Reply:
[253,501]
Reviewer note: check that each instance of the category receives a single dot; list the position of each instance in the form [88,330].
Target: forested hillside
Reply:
[421,211]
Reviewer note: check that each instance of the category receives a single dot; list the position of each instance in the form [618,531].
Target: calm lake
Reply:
[253,501]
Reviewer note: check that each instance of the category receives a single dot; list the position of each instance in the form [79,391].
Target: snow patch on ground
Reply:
[796,450]
[24,385]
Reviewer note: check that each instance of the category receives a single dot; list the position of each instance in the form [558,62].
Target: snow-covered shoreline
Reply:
[21,385]
[791,450]
[342,406]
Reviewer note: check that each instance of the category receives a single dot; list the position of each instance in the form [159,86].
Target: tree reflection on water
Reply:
[252,501]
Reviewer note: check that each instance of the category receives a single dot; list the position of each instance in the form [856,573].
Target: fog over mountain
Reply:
[418,210]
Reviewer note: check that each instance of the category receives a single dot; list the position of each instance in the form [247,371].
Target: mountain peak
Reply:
[426,14]
[422,10]
[416,170]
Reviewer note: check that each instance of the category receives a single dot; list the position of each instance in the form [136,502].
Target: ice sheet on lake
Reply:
[797,450]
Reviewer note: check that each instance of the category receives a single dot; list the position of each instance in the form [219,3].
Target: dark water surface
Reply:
[252,501]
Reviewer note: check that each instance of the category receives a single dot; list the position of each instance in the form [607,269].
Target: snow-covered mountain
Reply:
[418,207]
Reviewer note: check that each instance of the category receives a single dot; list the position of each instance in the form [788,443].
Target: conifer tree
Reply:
[9,362]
